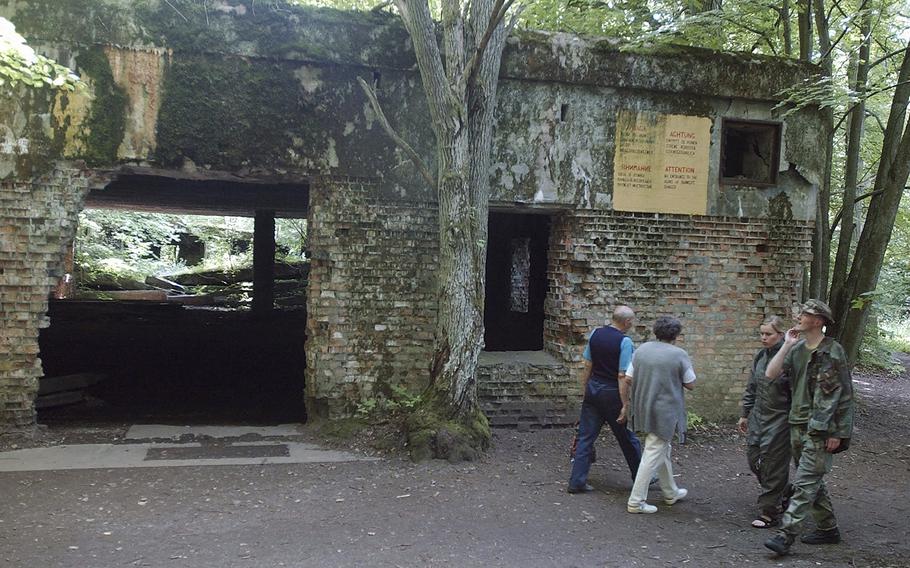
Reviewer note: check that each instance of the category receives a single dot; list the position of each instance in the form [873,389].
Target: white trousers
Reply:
[655,458]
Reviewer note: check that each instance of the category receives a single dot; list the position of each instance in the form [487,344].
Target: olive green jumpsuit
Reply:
[766,404]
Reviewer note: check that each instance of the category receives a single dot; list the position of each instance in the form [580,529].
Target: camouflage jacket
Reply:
[766,402]
[822,389]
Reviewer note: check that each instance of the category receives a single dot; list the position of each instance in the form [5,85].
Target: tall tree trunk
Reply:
[847,216]
[785,27]
[890,179]
[821,240]
[804,27]
[461,92]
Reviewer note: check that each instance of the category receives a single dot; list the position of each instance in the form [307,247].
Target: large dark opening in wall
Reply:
[750,152]
[196,347]
[516,281]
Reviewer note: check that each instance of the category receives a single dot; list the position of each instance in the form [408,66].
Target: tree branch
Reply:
[887,56]
[877,118]
[858,198]
[399,141]
[416,17]
[866,97]
[499,12]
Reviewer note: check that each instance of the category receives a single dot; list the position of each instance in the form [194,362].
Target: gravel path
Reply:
[508,510]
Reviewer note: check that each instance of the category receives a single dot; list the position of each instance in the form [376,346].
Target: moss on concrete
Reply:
[228,112]
[434,433]
[280,30]
[98,21]
[105,124]
[31,105]
[342,429]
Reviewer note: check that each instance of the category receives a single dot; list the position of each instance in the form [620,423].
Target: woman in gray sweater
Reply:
[659,372]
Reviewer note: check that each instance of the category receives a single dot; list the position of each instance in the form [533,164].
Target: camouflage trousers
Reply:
[770,462]
[810,496]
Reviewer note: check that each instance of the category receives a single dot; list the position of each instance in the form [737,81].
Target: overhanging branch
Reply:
[399,141]
[499,12]
[858,198]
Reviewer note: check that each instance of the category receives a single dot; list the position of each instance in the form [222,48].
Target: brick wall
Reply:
[721,276]
[527,388]
[371,302]
[37,219]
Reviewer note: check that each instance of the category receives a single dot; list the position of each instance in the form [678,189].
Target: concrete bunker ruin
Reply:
[613,182]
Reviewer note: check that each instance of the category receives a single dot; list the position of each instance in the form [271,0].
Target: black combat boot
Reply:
[779,543]
[819,536]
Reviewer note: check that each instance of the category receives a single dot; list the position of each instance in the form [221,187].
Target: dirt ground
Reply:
[510,509]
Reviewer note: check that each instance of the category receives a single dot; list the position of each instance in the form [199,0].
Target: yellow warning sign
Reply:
[661,163]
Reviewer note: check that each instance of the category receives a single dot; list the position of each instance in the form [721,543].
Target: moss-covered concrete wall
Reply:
[266,89]
[247,88]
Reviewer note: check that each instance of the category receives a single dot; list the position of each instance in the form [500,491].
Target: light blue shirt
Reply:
[626,349]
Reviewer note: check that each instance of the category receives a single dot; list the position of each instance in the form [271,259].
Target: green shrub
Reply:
[693,420]
[399,403]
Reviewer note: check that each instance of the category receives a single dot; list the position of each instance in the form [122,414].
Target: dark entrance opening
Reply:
[187,357]
[516,281]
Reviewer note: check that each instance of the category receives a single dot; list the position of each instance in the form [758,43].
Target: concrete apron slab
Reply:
[228,449]
[114,456]
[164,431]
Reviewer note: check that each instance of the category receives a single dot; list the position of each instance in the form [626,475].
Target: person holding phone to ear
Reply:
[765,422]
[821,422]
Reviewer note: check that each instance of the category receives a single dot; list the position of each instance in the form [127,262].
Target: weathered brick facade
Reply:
[260,96]
[721,276]
[526,389]
[371,301]
[37,220]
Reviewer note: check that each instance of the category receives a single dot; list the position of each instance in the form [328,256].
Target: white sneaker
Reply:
[641,508]
[680,495]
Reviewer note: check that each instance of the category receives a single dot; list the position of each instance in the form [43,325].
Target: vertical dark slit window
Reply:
[750,152]
[521,275]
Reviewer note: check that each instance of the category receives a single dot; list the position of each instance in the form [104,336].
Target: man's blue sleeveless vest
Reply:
[605,345]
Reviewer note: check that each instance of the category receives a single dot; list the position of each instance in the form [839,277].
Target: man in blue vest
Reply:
[606,397]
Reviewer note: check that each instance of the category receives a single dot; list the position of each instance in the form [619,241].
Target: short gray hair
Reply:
[667,328]
[623,314]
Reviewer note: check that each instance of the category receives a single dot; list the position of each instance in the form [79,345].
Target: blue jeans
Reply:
[601,404]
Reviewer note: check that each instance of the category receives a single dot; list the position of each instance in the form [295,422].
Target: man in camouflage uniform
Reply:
[821,422]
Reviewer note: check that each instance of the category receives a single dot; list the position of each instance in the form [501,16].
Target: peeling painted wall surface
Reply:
[268,91]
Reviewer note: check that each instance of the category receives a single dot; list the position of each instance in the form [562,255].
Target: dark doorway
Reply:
[516,281]
[184,347]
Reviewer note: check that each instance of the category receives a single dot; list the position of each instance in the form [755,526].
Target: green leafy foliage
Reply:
[20,65]
[132,245]
[693,420]
[399,403]
[122,245]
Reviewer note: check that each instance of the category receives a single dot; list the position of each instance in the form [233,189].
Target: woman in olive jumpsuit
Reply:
[765,408]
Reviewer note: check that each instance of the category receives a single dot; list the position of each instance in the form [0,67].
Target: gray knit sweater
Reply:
[658,405]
